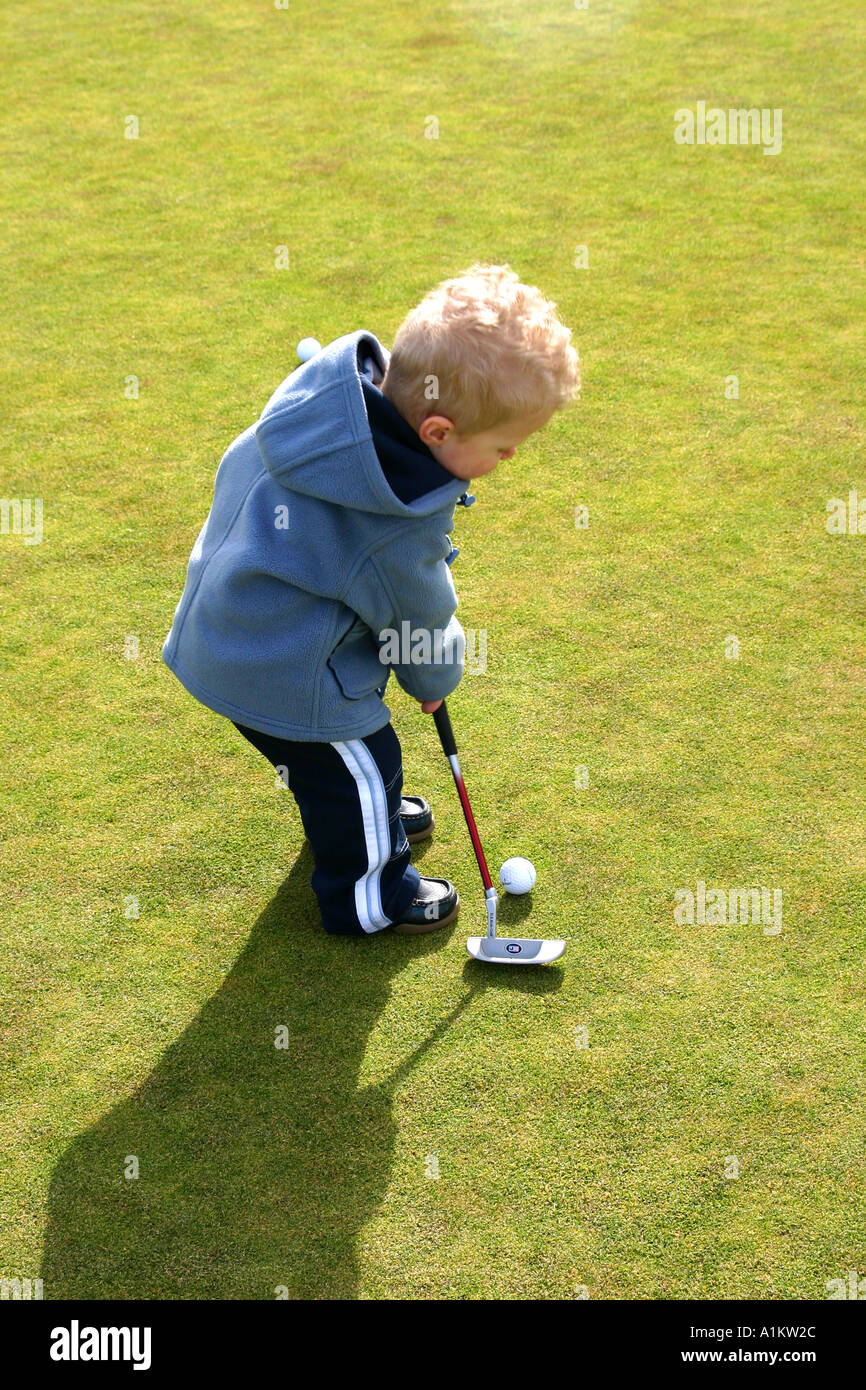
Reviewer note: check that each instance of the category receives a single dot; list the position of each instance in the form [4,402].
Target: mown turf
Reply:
[569,1161]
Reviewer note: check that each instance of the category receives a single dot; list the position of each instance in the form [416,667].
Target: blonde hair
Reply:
[490,348]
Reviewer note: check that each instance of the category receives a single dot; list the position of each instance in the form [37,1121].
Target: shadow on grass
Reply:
[258,1167]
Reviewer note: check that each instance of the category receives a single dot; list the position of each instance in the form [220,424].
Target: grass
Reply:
[563,1168]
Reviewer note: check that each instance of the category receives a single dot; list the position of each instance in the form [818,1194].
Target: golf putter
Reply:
[497,950]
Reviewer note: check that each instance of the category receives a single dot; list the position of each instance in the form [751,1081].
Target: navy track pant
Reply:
[348,794]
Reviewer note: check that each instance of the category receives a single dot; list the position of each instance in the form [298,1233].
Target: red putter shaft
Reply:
[470,821]
[449,746]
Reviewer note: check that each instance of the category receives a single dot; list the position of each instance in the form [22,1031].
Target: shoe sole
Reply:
[421,834]
[411,929]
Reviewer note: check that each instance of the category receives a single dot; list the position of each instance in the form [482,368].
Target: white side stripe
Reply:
[374,810]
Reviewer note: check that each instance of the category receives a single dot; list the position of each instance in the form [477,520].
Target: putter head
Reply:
[514,950]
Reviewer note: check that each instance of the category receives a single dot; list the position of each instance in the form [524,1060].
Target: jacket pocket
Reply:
[355,663]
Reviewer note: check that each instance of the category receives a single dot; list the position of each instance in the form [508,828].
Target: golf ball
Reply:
[308,347]
[517,875]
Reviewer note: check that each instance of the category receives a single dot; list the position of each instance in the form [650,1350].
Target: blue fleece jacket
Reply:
[307,558]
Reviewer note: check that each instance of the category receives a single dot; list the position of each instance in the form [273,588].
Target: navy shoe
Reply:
[417,818]
[435,905]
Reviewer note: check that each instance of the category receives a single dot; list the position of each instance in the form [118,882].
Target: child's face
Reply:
[473,455]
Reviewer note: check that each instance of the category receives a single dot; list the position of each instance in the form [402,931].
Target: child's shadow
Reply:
[258,1166]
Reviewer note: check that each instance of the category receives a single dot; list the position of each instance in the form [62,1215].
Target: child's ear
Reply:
[436,430]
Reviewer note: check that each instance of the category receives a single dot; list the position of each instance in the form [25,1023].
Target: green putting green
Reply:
[204,1096]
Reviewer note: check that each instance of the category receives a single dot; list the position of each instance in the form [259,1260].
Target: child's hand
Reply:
[429,706]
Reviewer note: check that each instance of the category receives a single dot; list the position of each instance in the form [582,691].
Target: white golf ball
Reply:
[517,875]
[308,347]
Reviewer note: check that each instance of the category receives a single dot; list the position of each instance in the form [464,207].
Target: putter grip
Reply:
[446,733]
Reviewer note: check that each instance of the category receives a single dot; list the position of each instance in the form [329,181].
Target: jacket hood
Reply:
[314,436]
